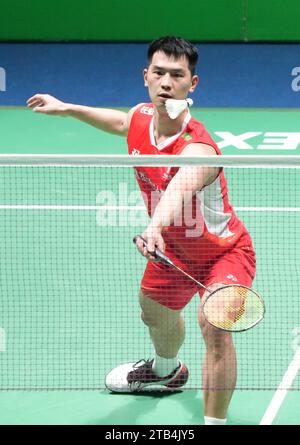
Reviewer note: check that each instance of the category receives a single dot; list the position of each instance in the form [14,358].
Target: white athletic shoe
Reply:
[139,376]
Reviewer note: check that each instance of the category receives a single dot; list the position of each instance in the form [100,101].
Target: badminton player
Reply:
[191,220]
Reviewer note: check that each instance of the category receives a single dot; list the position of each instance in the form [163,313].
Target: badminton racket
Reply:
[232,307]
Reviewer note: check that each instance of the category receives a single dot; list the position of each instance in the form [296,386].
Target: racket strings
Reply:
[233,308]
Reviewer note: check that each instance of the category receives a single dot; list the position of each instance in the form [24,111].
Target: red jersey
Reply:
[209,223]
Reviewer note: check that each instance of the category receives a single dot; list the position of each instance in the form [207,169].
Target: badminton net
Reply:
[70,274]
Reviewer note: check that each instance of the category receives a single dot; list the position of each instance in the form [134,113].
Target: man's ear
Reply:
[145,74]
[195,81]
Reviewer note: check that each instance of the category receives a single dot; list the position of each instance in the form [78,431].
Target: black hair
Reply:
[175,47]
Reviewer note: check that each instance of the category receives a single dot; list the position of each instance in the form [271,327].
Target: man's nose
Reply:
[166,81]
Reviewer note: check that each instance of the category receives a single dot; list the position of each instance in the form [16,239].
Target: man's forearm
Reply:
[170,208]
[175,205]
[111,121]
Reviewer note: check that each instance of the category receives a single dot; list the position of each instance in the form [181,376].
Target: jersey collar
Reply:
[171,139]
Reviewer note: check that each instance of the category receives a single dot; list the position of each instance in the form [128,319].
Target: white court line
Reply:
[95,207]
[2,340]
[282,390]
[267,209]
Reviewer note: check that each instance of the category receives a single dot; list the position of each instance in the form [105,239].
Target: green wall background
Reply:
[135,20]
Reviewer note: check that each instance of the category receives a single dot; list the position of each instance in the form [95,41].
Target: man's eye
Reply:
[158,72]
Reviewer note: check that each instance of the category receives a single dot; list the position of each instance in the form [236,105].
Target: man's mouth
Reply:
[165,96]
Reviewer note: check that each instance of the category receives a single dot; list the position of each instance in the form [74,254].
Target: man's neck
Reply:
[164,127]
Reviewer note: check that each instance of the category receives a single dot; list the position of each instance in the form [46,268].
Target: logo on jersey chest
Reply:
[147,110]
[143,177]
[186,136]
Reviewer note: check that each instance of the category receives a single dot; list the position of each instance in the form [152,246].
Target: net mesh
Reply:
[70,275]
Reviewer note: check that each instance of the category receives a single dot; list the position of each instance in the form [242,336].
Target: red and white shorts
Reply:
[172,289]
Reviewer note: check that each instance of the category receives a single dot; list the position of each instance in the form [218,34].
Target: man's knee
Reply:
[154,314]
[217,341]
[148,319]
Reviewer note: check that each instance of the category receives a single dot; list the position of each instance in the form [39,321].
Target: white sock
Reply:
[164,366]
[214,421]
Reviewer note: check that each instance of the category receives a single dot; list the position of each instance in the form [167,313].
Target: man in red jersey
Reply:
[201,234]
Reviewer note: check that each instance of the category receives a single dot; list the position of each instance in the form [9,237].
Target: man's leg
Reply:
[166,327]
[219,368]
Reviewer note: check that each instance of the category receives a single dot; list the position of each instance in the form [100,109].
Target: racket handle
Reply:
[157,253]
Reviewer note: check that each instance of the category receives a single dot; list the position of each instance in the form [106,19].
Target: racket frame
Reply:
[165,260]
[226,286]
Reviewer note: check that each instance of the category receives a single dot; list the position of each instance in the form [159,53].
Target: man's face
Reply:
[167,78]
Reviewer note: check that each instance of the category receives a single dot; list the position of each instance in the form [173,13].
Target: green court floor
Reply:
[103,408]
[23,131]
